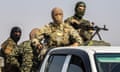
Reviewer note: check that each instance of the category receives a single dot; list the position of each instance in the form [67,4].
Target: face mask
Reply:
[80,9]
[15,34]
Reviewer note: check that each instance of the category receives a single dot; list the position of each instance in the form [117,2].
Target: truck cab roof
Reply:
[95,49]
[93,59]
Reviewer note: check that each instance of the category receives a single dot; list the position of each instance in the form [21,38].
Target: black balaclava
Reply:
[79,14]
[14,36]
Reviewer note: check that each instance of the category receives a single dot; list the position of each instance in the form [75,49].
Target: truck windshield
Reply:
[108,62]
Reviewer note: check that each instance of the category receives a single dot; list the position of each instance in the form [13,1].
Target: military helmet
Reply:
[80,4]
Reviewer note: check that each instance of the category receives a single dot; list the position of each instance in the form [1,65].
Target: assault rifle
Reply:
[87,27]
[97,30]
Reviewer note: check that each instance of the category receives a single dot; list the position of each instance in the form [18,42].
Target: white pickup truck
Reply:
[82,59]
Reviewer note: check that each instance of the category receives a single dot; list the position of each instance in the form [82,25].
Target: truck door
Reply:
[67,61]
[76,65]
[55,63]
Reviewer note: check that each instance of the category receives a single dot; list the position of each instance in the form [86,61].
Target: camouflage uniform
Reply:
[85,34]
[31,59]
[20,57]
[80,24]
[11,62]
[60,35]
[27,55]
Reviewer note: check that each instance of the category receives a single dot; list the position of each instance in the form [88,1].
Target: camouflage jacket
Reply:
[26,52]
[8,48]
[60,35]
[83,32]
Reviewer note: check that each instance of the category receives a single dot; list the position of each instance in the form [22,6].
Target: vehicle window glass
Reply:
[55,63]
[76,65]
[108,62]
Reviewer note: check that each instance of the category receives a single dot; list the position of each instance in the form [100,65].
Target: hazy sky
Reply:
[29,14]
